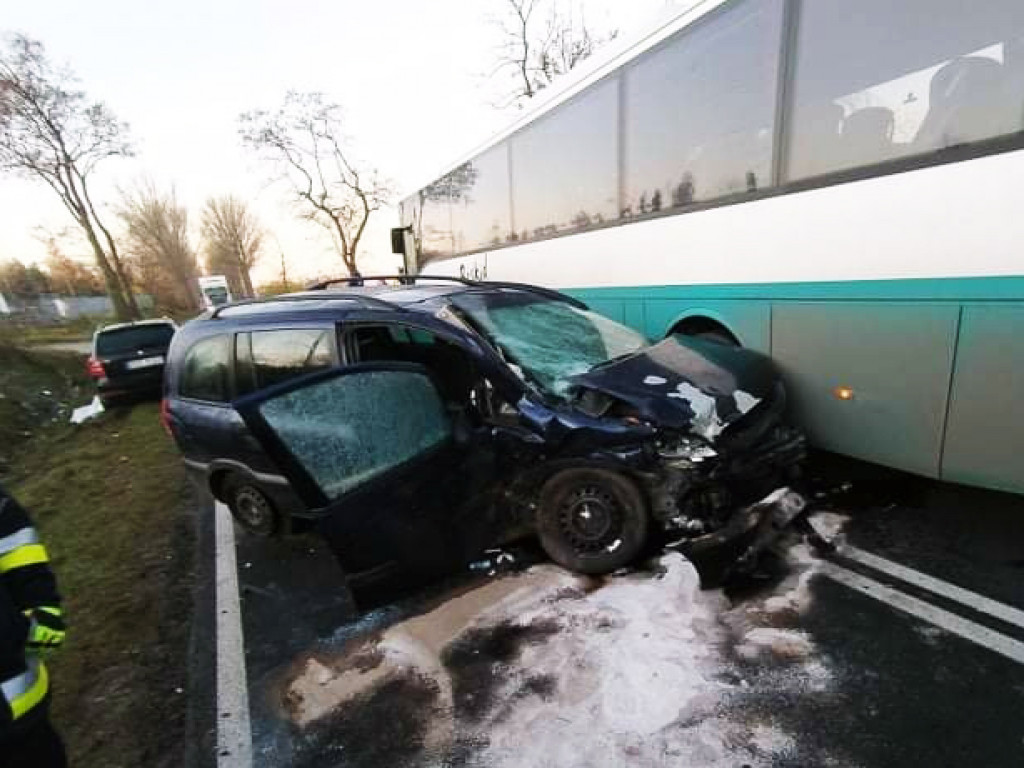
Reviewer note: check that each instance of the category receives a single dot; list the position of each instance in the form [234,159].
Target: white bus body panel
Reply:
[956,220]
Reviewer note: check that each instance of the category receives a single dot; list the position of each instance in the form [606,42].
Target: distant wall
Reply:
[76,306]
[50,306]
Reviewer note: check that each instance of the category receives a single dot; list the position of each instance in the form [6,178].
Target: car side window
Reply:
[280,355]
[451,366]
[206,372]
[347,430]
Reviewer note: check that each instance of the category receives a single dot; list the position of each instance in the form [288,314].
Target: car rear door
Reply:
[395,475]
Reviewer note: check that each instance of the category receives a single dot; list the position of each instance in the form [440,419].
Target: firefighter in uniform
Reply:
[31,626]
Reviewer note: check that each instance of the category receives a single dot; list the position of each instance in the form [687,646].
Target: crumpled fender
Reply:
[687,384]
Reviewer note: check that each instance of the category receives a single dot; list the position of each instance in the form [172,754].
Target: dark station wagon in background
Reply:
[127,359]
[418,423]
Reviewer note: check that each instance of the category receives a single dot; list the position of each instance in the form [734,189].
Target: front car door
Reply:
[393,473]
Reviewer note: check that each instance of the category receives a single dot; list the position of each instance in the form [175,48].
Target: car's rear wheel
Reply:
[591,520]
[250,506]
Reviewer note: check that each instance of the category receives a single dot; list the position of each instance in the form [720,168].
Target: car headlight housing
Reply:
[685,452]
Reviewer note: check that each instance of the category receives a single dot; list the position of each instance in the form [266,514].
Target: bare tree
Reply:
[69,275]
[305,141]
[25,282]
[50,132]
[540,40]
[156,228]
[232,241]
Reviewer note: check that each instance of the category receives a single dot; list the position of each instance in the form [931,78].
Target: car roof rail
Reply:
[360,281]
[366,301]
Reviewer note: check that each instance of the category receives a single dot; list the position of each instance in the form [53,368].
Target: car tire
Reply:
[250,506]
[591,521]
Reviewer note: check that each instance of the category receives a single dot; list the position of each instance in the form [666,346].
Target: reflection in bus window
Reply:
[480,202]
[433,212]
[700,110]
[914,93]
[565,165]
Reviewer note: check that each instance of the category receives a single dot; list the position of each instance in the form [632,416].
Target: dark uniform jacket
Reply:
[26,582]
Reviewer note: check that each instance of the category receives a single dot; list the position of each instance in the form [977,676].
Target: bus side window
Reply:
[906,86]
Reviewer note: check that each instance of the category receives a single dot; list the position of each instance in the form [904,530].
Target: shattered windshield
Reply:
[549,340]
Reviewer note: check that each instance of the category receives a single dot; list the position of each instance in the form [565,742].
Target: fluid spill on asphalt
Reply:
[545,667]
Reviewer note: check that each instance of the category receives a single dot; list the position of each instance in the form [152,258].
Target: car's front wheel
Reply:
[250,506]
[591,521]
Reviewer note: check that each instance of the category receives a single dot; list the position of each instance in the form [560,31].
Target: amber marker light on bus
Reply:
[843,393]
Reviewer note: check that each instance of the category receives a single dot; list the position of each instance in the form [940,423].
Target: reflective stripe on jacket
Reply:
[26,584]
[25,691]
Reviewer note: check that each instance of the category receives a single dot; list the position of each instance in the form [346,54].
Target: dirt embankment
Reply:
[37,392]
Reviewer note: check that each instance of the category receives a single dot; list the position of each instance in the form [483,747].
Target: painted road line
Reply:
[972,600]
[969,630]
[234,734]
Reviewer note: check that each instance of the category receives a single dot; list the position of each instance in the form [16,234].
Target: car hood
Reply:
[686,384]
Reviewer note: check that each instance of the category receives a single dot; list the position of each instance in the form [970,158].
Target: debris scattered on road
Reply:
[85,412]
[494,562]
[783,644]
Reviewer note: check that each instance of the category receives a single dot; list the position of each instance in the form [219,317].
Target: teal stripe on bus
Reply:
[934,363]
[916,289]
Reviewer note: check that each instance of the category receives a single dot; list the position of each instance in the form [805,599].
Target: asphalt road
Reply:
[888,653]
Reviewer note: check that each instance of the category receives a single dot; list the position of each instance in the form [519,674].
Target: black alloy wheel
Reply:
[591,521]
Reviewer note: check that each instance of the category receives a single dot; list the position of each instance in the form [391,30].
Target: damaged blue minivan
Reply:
[419,422]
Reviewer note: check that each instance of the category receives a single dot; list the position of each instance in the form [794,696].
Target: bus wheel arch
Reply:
[703,326]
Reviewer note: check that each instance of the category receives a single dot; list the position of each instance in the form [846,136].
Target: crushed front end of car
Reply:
[684,438]
[720,466]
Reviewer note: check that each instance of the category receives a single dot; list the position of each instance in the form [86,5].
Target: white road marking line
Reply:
[958,594]
[969,630]
[234,734]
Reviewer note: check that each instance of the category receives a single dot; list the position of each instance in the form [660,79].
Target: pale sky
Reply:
[409,74]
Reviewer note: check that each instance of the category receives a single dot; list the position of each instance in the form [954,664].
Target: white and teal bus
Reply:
[836,183]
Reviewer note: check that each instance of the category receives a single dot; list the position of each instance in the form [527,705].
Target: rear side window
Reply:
[122,341]
[206,373]
[271,357]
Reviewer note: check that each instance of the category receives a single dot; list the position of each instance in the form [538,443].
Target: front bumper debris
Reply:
[750,531]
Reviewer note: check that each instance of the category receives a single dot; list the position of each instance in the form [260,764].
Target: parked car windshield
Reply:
[549,340]
[121,340]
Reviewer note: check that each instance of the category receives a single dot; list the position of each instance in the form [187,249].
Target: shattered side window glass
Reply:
[347,430]
[550,340]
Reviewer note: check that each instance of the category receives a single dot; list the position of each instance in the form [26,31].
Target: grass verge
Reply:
[112,504]
[78,329]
